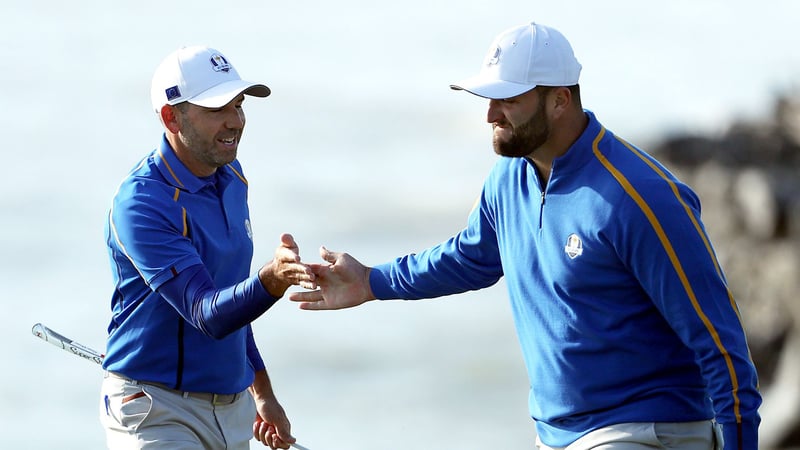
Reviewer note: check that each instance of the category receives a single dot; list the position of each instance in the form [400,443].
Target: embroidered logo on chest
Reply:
[574,247]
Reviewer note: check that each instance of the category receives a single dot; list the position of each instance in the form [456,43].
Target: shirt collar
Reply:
[580,152]
[175,172]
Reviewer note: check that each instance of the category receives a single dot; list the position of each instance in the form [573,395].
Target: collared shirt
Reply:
[163,220]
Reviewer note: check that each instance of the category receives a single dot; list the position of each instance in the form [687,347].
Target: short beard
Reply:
[200,147]
[525,138]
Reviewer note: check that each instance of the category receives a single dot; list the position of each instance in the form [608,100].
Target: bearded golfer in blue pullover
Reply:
[630,334]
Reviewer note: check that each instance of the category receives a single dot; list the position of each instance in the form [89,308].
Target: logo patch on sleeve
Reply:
[248,228]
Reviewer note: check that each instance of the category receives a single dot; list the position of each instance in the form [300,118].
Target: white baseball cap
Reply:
[522,58]
[201,76]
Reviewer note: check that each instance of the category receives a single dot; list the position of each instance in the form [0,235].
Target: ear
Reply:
[562,99]
[169,118]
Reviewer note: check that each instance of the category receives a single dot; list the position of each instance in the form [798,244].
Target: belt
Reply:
[214,399]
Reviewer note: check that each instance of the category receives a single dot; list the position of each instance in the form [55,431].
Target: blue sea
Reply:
[362,147]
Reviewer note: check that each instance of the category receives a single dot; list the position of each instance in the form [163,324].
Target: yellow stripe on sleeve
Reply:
[673,257]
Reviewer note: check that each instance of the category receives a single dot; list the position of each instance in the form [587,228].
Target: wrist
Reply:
[368,293]
[273,286]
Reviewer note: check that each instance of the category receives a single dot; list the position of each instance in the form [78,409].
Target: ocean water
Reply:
[363,148]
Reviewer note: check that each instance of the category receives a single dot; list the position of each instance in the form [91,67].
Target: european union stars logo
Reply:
[172,93]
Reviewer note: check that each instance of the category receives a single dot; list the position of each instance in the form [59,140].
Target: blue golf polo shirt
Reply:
[163,220]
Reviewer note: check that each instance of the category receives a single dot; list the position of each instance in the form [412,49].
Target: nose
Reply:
[494,114]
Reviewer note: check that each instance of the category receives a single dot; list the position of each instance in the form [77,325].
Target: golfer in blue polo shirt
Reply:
[182,367]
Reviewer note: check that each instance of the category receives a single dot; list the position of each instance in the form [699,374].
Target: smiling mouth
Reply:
[228,141]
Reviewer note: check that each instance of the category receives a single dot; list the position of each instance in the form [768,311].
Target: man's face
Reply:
[519,123]
[210,136]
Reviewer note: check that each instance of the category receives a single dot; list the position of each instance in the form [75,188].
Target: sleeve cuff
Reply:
[260,292]
[380,284]
[740,436]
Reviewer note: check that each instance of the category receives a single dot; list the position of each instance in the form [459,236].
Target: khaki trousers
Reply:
[152,417]
[702,435]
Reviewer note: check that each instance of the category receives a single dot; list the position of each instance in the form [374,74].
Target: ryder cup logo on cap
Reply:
[522,58]
[220,63]
[201,76]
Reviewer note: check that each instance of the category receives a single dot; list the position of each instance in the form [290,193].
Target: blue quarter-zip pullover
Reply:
[622,310]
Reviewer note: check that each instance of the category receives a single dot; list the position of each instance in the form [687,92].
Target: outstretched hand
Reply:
[285,269]
[343,283]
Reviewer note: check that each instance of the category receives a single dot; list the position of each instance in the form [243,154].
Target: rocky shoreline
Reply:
[748,180]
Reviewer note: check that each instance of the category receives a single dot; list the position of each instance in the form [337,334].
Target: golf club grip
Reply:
[66,343]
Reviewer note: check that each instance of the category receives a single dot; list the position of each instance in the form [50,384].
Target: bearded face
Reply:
[209,138]
[523,139]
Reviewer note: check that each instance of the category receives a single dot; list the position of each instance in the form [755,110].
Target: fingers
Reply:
[275,435]
[311,301]
[287,268]
[315,306]
[287,240]
[287,253]
[307,296]
[307,284]
[283,437]
[302,274]
[263,432]
[271,436]
[302,277]
[328,255]
[317,269]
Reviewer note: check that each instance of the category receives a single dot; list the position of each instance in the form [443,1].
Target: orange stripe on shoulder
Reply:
[169,168]
[241,177]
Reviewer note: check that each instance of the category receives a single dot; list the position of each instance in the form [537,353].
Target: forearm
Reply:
[261,389]
[216,312]
[271,426]
[445,269]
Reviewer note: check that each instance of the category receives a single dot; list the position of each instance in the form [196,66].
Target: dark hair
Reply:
[182,106]
[574,90]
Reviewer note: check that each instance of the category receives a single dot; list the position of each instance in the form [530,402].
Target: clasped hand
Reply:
[343,282]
